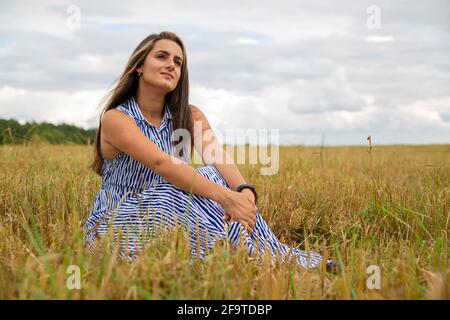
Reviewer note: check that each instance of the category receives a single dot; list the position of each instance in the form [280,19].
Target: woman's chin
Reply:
[169,90]
[165,88]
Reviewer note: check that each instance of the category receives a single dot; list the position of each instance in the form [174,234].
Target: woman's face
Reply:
[162,66]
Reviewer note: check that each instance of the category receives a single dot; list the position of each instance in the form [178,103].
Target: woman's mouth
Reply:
[167,75]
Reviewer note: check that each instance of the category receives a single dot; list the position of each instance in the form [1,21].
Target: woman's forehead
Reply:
[168,46]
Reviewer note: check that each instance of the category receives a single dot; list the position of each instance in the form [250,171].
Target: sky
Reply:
[315,72]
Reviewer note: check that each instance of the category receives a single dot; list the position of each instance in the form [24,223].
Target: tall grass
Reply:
[388,208]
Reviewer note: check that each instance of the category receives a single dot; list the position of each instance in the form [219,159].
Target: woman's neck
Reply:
[151,104]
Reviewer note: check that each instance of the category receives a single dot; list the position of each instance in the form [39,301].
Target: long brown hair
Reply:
[127,85]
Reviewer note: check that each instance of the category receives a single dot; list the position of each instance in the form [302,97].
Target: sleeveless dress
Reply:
[135,200]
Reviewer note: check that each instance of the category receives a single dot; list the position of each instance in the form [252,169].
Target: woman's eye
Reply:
[162,56]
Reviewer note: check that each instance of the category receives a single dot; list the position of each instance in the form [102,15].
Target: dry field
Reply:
[388,208]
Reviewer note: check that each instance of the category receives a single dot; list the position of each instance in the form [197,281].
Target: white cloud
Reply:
[7,49]
[37,17]
[333,93]
[245,41]
[379,39]
[73,107]
[427,114]
[98,63]
[299,66]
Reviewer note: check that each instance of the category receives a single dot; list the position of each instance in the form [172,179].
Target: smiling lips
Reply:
[167,74]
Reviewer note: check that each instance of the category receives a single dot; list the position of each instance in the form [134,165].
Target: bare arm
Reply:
[121,132]
[222,161]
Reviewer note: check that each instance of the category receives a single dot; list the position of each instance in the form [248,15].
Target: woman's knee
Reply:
[212,173]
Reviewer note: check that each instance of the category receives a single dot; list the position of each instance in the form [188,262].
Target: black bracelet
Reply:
[248,186]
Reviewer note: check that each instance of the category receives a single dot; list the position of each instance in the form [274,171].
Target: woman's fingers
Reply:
[251,223]
[248,222]
[253,216]
[254,220]
[243,212]
[247,227]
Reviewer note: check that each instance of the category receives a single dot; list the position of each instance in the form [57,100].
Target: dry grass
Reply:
[394,214]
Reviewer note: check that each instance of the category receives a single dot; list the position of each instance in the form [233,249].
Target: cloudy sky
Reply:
[332,70]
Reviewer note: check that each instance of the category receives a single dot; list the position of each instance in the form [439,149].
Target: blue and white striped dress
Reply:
[136,200]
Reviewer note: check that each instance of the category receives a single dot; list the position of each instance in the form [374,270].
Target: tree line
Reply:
[12,132]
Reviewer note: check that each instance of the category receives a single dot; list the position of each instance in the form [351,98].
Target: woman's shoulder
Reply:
[116,116]
[122,108]
[196,113]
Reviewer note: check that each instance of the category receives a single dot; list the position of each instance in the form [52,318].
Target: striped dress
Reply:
[134,199]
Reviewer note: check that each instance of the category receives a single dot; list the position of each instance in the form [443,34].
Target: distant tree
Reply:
[12,132]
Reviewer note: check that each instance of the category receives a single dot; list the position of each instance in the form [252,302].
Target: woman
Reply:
[144,184]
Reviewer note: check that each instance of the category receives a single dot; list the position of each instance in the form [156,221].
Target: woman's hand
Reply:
[251,195]
[240,207]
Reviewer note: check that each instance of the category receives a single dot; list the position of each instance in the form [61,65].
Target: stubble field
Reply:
[387,210]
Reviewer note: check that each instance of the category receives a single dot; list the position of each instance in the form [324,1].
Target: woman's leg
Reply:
[262,238]
[168,206]
[164,206]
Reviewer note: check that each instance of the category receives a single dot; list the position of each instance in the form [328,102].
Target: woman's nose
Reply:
[171,65]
